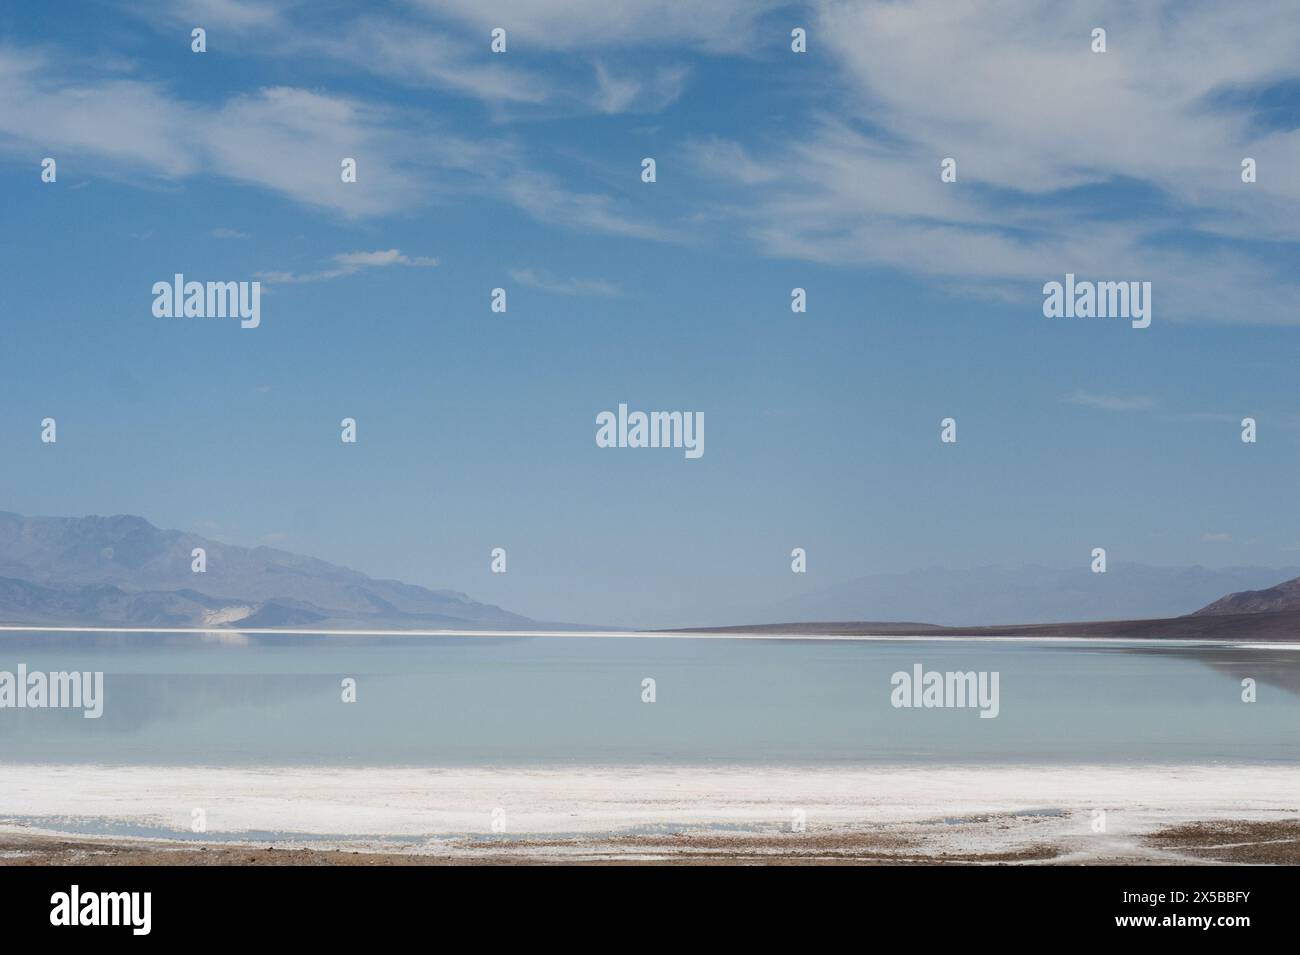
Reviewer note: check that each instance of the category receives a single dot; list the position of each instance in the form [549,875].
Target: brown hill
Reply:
[1285,596]
[1264,627]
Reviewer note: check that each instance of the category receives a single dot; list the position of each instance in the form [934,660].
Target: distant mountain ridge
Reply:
[992,596]
[1285,596]
[1267,615]
[123,570]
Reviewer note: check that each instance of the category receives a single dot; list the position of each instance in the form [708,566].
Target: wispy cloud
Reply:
[1088,399]
[120,121]
[1218,537]
[620,92]
[721,157]
[547,282]
[235,15]
[443,44]
[348,263]
[719,26]
[543,197]
[1033,119]
[287,140]
[228,234]
[416,55]
[1038,125]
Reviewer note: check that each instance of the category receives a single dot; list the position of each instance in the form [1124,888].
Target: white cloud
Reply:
[577,25]
[1009,89]
[384,257]
[534,78]
[620,93]
[1013,93]
[228,234]
[348,263]
[547,282]
[1025,104]
[1219,537]
[1110,402]
[287,140]
[447,48]
[279,138]
[122,121]
[237,15]
[542,197]
[726,159]
[415,55]
[293,141]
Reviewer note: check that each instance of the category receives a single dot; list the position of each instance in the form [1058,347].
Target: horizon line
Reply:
[672,635]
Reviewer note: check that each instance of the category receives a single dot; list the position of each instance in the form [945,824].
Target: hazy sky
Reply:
[774,170]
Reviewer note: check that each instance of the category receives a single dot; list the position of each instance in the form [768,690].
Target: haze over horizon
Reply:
[121,570]
[775,170]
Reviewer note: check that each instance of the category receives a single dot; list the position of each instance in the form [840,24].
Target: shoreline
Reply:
[942,635]
[887,815]
[1209,843]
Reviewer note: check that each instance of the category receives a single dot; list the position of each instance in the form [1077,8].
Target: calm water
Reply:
[561,700]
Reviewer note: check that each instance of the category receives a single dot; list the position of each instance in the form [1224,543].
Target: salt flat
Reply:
[402,802]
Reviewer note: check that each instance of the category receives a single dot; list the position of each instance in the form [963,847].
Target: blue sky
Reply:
[775,170]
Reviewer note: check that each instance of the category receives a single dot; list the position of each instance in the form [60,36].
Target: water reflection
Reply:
[1276,668]
[277,700]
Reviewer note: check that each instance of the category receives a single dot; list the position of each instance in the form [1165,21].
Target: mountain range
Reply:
[1271,614]
[1285,596]
[124,571]
[993,595]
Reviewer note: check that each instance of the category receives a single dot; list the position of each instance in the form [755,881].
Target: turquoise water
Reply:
[541,701]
